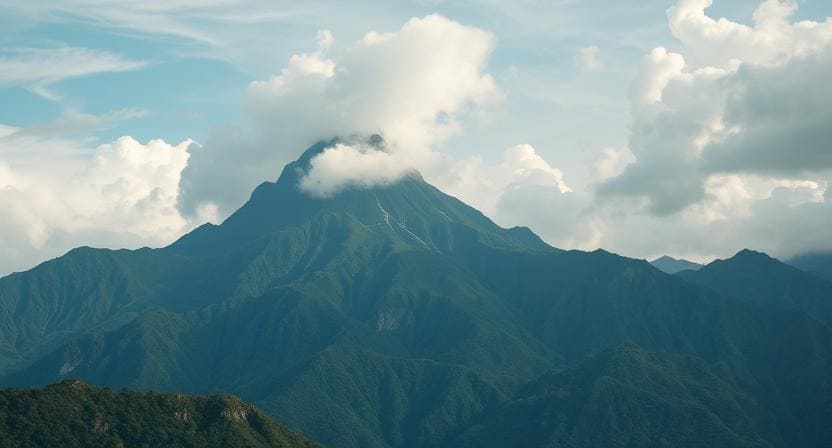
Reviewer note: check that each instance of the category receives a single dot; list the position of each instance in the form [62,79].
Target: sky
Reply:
[646,127]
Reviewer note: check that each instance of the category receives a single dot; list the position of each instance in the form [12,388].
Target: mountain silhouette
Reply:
[755,276]
[672,265]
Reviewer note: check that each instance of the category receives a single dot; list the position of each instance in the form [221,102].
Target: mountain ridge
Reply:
[74,414]
[372,319]
[756,276]
[670,389]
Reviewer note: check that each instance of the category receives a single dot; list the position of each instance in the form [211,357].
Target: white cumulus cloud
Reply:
[483,185]
[351,166]
[772,39]
[741,99]
[123,193]
[731,139]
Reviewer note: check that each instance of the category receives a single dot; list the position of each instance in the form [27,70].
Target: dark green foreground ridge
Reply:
[398,316]
[73,414]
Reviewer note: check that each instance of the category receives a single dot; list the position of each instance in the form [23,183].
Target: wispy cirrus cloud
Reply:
[227,30]
[38,69]
[75,122]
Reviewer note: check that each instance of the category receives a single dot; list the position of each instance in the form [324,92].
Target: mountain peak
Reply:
[410,210]
[749,253]
[672,265]
[755,276]
[747,258]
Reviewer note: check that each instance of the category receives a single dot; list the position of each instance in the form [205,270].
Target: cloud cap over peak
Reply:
[411,85]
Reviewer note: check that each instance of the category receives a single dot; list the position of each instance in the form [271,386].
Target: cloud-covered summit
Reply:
[412,85]
[351,165]
[417,86]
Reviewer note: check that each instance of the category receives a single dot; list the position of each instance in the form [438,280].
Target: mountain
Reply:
[73,414]
[818,263]
[625,396]
[393,316]
[672,265]
[755,276]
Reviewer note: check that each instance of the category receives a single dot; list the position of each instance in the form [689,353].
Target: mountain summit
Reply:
[399,316]
[755,276]
[410,212]
[672,265]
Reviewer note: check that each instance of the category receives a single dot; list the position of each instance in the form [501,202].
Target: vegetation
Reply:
[73,414]
[626,397]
